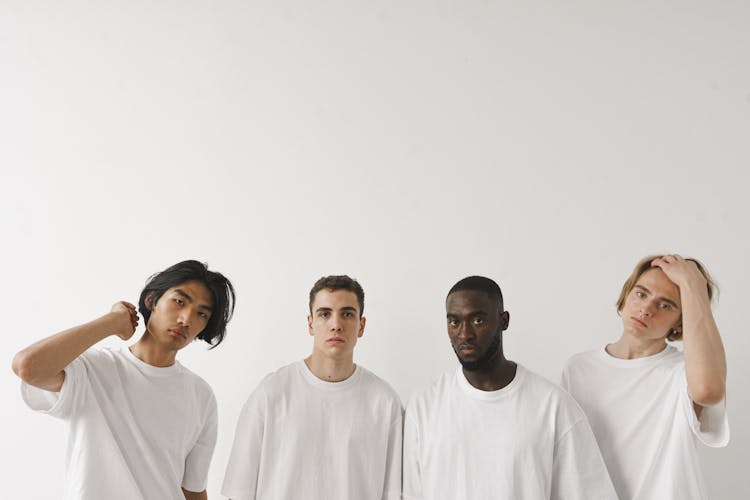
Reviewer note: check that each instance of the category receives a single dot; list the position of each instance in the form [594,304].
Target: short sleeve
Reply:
[578,470]
[712,429]
[392,489]
[199,458]
[412,476]
[241,478]
[61,404]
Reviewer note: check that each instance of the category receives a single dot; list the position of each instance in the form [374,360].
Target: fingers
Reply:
[672,258]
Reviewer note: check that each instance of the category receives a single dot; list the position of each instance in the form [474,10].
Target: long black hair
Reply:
[192,270]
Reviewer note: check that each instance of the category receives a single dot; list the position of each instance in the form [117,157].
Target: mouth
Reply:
[638,322]
[467,348]
[335,340]
[178,333]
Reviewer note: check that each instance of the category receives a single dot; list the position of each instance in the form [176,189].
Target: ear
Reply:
[362,322]
[678,327]
[149,301]
[309,324]
[504,320]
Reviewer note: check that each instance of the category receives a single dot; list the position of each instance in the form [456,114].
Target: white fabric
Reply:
[644,421]
[528,440]
[135,431]
[299,437]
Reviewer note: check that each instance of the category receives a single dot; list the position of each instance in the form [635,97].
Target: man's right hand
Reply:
[125,319]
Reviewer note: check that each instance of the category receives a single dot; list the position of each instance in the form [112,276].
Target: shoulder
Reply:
[431,394]
[372,382]
[197,383]
[541,389]
[378,393]
[583,359]
[280,381]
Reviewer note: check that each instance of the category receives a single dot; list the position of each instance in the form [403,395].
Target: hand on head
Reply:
[127,316]
[682,272]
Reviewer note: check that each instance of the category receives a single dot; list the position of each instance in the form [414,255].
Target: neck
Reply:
[151,353]
[330,369]
[629,347]
[494,376]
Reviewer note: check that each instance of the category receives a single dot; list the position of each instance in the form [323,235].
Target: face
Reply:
[652,307]
[335,323]
[181,314]
[475,324]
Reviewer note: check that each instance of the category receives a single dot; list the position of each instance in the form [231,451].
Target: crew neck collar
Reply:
[157,371]
[310,377]
[475,393]
[645,360]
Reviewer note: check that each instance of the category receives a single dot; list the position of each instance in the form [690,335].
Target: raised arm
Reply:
[705,361]
[42,363]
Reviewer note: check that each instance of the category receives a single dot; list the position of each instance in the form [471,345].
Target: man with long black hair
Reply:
[140,425]
[492,428]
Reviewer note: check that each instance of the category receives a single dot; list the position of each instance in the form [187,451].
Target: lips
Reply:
[638,322]
[177,333]
[335,340]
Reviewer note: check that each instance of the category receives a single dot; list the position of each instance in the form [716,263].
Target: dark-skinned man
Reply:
[493,429]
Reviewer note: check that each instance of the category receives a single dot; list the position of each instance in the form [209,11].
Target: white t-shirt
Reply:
[528,440]
[299,437]
[135,431]
[644,421]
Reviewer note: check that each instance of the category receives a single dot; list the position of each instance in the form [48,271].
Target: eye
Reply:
[203,315]
[452,322]
[324,314]
[348,314]
[179,301]
[665,306]
[639,294]
[478,321]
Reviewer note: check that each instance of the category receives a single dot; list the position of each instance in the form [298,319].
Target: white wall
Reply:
[547,145]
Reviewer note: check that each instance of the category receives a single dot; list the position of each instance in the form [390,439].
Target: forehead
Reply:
[335,299]
[658,284]
[467,301]
[197,290]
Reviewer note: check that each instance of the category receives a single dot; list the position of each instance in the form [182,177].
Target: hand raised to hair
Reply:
[683,273]
[125,319]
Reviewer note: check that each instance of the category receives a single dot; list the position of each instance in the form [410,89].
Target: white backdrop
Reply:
[547,145]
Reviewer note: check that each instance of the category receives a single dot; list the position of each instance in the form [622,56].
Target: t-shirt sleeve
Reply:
[712,429]
[412,475]
[392,489]
[61,404]
[241,478]
[198,460]
[578,470]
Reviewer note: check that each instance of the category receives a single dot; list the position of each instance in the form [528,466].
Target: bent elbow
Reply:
[708,395]
[21,366]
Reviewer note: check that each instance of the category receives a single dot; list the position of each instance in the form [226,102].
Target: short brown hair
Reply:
[339,282]
[643,266]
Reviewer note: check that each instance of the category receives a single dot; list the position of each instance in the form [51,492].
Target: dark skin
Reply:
[475,326]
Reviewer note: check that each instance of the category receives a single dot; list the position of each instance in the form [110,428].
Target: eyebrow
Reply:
[670,301]
[328,309]
[190,299]
[470,313]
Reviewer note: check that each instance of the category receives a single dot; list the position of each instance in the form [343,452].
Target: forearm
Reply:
[41,364]
[705,360]
[192,495]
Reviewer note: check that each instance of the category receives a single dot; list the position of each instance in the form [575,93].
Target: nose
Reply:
[335,323]
[647,309]
[465,331]
[184,317]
